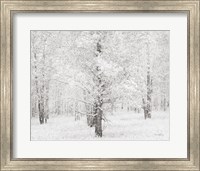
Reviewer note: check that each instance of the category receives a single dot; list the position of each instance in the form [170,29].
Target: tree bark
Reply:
[164,104]
[149,86]
[99,99]
[98,120]
[41,111]
[148,96]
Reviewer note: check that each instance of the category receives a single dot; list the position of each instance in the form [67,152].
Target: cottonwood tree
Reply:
[41,46]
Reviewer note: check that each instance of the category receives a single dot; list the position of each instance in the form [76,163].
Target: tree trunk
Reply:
[91,118]
[149,86]
[100,85]
[164,104]
[98,125]
[41,111]
[148,96]
[144,107]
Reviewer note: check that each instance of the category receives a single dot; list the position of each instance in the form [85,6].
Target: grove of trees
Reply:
[92,74]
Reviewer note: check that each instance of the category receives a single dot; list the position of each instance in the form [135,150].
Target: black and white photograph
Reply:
[100,85]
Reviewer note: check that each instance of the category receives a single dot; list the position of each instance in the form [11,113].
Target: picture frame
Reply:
[10,8]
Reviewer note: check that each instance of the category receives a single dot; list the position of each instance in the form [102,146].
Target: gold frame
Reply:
[9,8]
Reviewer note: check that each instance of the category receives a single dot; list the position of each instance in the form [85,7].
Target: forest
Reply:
[100,85]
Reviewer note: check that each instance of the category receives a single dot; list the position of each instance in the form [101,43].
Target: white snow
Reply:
[120,126]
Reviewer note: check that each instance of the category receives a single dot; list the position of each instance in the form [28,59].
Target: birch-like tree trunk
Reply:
[149,86]
[99,98]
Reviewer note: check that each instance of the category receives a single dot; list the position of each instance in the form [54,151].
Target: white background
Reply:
[176,147]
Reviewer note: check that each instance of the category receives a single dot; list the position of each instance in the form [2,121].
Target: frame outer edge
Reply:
[7,164]
[197,84]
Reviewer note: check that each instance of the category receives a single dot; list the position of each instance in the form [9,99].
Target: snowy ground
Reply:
[121,126]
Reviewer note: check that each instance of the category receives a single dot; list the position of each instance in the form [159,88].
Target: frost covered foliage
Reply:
[118,80]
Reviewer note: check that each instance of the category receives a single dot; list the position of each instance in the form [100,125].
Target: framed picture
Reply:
[100,85]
